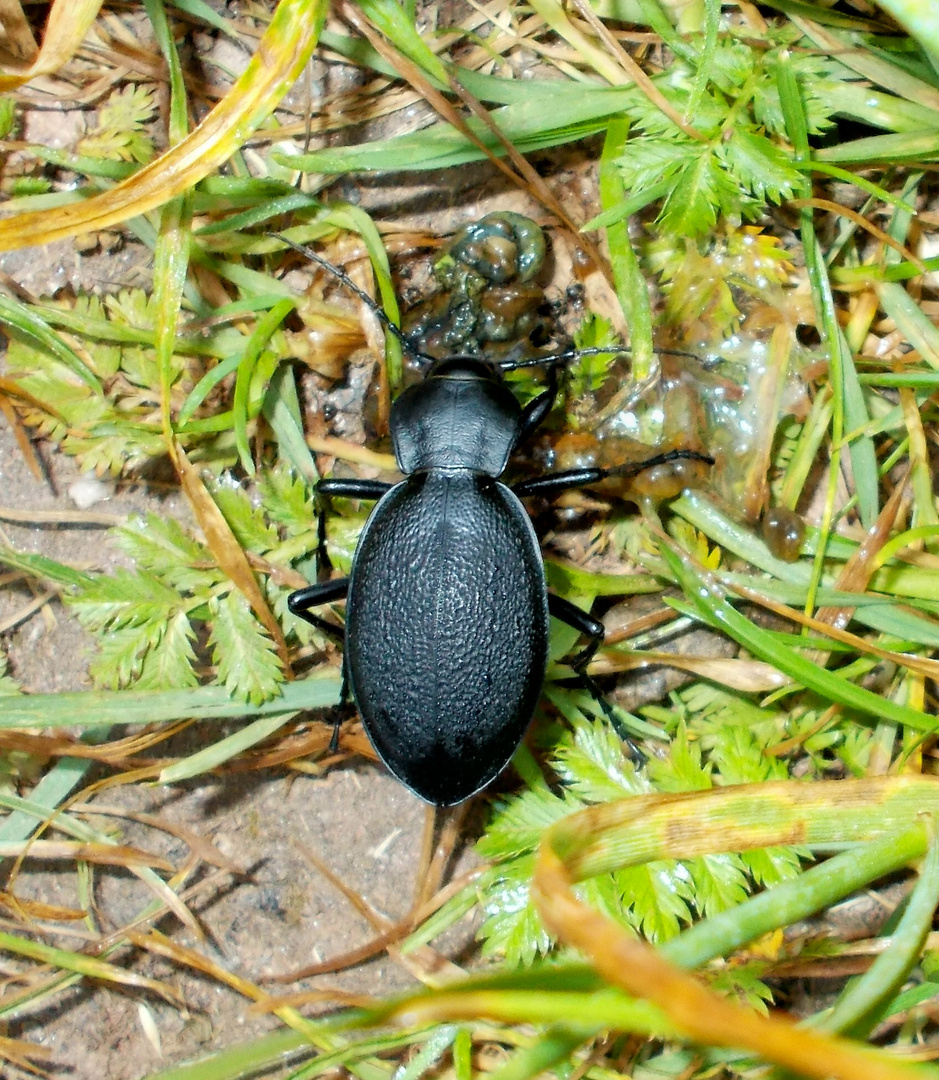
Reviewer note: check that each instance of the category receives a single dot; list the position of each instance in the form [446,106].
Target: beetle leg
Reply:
[535,412]
[353,487]
[593,629]
[340,709]
[349,487]
[554,483]
[299,603]
[325,592]
[583,622]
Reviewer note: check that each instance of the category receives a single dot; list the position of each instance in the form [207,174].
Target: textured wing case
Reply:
[447,630]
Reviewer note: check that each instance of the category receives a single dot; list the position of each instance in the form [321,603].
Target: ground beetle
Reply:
[446,633]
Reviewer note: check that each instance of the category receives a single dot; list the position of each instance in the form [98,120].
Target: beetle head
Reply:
[465,368]
[461,416]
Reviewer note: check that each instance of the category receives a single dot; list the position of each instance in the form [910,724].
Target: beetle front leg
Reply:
[346,487]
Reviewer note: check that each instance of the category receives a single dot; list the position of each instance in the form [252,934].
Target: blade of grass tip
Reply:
[858,181]
[598,58]
[252,283]
[257,215]
[47,569]
[843,47]
[281,55]
[200,10]
[178,125]
[281,409]
[63,823]
[655,18]
[89,966]
[463,1054]
[391,19]
[66,26]
[500,999]
[859,1008]
[170,269]
[916,327]
[26,323]
[100,709]
[630,285]
[51,791]
[550,1050]
[803,460]
[256,344]
[205,386]
[429,1054]
[223,750]
[84,166]
[917,147]
[278,1048]
[921,474]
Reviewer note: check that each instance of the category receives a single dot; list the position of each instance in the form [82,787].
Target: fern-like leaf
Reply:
[118,134]
[248,664]
[168,663]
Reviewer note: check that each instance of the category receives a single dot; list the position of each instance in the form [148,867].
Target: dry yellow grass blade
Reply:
[749,676]
[228,552]
[705,1016]
[18,1052]
[105,854]
[281,55]
[66,27]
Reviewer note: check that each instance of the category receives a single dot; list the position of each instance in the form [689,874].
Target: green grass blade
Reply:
[803,896]
[257,342]
[224,749]
[23,321]
[630,284]
[94,708]
[707,601]
[859,1008]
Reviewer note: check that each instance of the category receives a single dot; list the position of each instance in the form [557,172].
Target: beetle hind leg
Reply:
[592,629]
[581,621]
[338,714]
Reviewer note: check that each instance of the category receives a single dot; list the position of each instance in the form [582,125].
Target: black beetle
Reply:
[446,634]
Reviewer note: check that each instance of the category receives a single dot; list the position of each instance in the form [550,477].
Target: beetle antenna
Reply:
[362,295]
[575,354]
[634,468]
